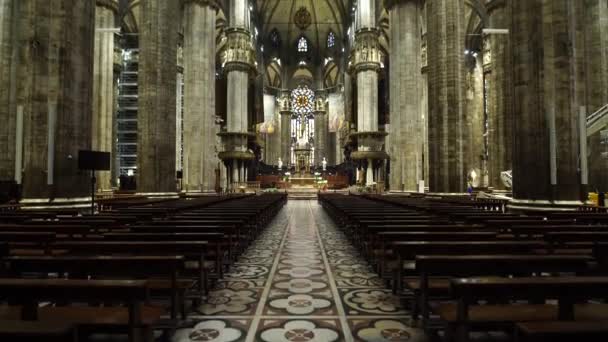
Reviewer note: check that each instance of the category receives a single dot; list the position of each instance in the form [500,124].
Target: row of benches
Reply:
[142,256]
[452,257]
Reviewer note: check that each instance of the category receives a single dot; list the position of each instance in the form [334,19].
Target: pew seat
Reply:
[508,313]
[88,316]
[16,330]
[559,331]
[572,296]
[26,296]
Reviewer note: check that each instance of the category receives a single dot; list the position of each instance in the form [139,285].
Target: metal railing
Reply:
[597,120]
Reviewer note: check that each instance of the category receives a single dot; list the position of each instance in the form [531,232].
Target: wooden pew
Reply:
[561,331]
[408,250]
[216,242]
[29,293]
[467,315]
[153,268]
[12,330]
[26,242]
[193,251]
[435,270]
[233,234]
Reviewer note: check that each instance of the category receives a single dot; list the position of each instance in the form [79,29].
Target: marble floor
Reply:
[301,281]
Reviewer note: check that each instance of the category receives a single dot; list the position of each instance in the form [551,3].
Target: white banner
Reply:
[269,107]
[336,111]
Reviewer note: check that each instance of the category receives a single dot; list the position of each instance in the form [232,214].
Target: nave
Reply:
[301,281]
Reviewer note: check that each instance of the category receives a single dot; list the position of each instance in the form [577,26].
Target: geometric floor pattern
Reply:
[300,281]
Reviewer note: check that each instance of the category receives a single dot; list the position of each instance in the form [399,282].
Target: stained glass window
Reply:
[302,44]
[302,122]
[331,39]
[275,38]
[302,100]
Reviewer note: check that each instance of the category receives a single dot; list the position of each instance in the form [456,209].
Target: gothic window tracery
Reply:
[302,44]
[275,38]
[331,39]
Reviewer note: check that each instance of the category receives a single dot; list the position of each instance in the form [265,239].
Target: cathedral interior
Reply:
[303,170]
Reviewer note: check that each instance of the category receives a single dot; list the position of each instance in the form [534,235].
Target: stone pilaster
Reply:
[156,121]
[406,131]
[546,103]
[445,39]
[8,113]
[103,85]
[54,92]
[199,98]
[500,115]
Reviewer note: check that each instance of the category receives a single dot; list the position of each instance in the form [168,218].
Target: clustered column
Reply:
[54,94]
[239,64]
[447,131]
[500,118]
[406,138]
[103,84]
[7,109]
[546,101]
[596,69]
[321,131]
[156,140]
[366,61]
[285,113]
[199,97]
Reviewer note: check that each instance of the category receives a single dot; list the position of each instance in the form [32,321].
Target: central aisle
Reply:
[301,281]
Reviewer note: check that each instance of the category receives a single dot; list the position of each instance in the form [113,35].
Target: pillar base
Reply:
[526,206]
[56,203]
[158,194]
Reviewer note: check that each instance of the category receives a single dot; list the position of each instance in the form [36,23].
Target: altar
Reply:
[303,181]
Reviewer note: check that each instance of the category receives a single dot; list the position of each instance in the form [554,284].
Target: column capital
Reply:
[211,3]
[286,112]
[366,53]
[109,4]
[240,53]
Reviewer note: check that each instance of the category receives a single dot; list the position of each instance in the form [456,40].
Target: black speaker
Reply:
[93,160]
[180,174]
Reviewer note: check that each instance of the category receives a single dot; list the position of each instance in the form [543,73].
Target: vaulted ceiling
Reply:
[326,16]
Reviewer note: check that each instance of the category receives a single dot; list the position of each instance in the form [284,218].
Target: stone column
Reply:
[156,121]
[286,136]
[54,92]
[596,59]
[285,127]
[103,85]
[321,131]
[406,130]
[445,40]
[546,101]
[8,115]
[199,95]
[365,63]
[500,116]
[239,64]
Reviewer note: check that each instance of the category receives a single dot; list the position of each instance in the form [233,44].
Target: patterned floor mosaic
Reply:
[301,281]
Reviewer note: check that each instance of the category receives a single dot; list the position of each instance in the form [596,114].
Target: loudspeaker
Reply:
[93,160]
[180,174]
